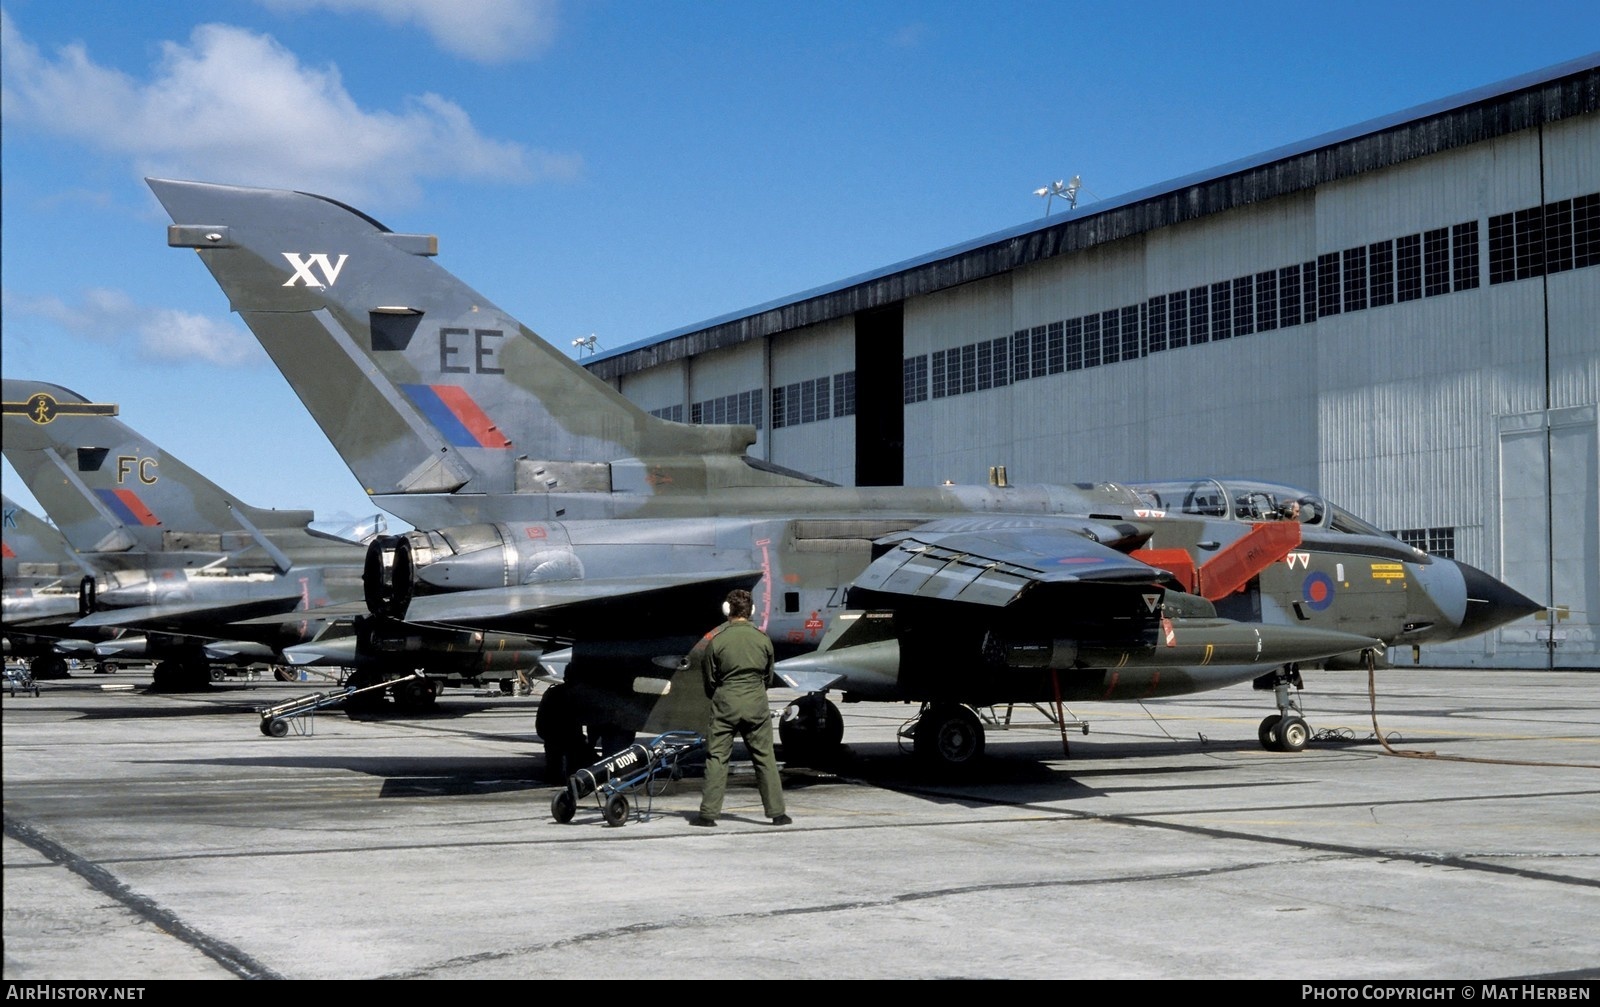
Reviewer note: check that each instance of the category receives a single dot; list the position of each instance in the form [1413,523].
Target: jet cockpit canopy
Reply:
[1253,501]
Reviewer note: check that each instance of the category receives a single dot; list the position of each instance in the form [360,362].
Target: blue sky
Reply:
[624,169]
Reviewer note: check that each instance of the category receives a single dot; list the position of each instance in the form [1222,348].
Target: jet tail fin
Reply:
[423,385]
[111,489]
[35,552]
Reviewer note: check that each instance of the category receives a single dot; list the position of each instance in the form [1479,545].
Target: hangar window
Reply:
[1308,290]
[786,408]
[1072,347]
[1266,301]
[1244,313]
[1586,231]
[1131,318]
[1408,266]
[1327,284]
[1158,323]
[1355,278]
[1021,346]
[1530,242]
[1002,359]
[1091,340]
[1464,253]
[1380,272]
[1055,349]
[673,413]
[1199,316]
[1542,239]
[939,388]
[1289,296]
[844,394]
[1558,236]
[914,379]
[1178,319]
[1221,312]
[1436,262]
[794,404]
[1502,258]
[985,366]
[1433,541]
[969,368]
[1110,340]
[811,409]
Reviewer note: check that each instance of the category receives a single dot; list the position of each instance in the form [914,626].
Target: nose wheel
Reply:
[1286,730]
[1284,733]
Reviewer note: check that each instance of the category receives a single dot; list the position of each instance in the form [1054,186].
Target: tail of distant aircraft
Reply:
[422,384]
[112,490]
[33,551]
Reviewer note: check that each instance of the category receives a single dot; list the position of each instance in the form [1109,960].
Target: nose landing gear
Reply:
[1286,730]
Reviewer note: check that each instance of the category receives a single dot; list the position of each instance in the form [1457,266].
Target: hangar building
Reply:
[1403,316]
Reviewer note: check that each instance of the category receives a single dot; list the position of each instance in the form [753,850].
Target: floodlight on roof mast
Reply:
[1066,190]
[589,342]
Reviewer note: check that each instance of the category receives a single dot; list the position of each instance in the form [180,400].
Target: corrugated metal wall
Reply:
[1474,410]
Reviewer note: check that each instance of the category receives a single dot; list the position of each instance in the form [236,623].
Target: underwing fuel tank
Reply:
[873,667]
[462,651]
[1179,643]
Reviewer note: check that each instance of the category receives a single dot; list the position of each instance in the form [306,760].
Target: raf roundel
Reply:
[1317,590]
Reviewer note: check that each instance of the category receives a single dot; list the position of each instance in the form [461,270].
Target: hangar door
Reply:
[880,401]
[1550,533]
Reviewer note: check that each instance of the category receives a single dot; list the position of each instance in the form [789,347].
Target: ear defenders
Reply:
[727,610]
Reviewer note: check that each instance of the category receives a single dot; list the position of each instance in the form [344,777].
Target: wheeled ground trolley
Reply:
[639,767]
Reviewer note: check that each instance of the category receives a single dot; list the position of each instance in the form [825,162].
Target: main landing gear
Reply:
[1286,730]
[49,666]
[181,674]
[412,695]
[811,731]
[946,737]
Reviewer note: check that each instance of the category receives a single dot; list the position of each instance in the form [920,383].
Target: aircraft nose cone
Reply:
[1491,602]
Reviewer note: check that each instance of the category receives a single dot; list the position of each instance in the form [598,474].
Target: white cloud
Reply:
[238,107]
[484,31]
[158,334]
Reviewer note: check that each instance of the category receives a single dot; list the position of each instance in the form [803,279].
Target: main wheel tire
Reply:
[563,807]
[217,674]
[1293,734]
[566,750]
[1268,734]
[949,737]
[164,677]
[610,739]
[616,810]
[364,703]
[48,667]
[284,674]
[811,731]
[418,695]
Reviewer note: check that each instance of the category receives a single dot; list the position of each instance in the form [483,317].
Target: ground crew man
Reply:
[736,663]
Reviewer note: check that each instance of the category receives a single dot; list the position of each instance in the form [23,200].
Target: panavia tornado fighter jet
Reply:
[204,579]
[546,503]
[42,576]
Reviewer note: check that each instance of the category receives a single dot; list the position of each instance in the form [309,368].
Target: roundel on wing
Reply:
[1317,590]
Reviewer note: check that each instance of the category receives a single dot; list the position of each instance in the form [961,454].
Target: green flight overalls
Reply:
[736,664]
